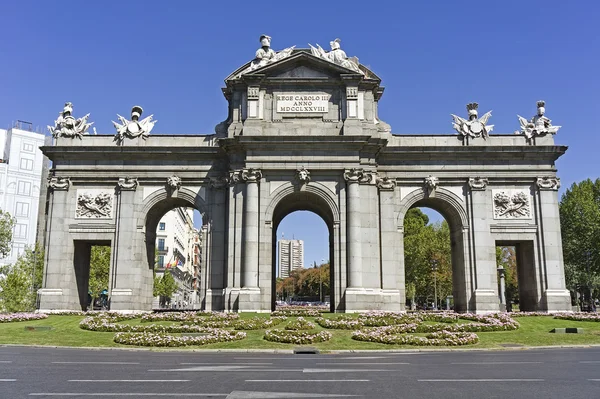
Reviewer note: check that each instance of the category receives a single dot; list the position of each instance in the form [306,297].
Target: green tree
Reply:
[164,287]
[7,223]
[22,280]
[580,229]
[99,270]
[506,257]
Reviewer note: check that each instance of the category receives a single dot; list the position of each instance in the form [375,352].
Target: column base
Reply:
[368,299]
[123,300]
[251,301]
[486,301]
[215,300]
[56,299]
[556,301]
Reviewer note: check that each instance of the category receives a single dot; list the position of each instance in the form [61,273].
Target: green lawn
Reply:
[534,331]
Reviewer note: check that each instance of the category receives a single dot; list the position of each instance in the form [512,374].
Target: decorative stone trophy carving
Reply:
[173,182]
[473,127]
[59,183]
[127,183]
[511,205]
[266,55]
[94,206]
[133,128]
[431,182]
[302,175]
[67,126]
[336,56]
[539,125]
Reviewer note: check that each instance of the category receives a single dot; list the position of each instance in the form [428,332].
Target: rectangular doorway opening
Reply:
[516,263]
[92,269]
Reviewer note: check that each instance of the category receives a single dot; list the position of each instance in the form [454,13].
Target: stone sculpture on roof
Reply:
[336,55]
[473,127]
[539,125]
[67,126]
[266,55]
[133,128]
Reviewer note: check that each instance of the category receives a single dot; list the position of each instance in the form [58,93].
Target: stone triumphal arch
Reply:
[303,133]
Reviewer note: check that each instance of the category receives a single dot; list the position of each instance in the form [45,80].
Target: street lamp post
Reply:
[501,272]
[434,267]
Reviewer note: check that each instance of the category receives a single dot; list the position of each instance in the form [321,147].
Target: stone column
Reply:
[250,293]
[555,296]
[392,278]
[484,248]
[353,240]
[215,294]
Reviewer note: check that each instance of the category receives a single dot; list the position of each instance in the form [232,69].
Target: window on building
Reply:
[161,261]
[162,226]
[28,147]
[26,164]
[20,230]
[17,249]
[161,244]
[24,188]
[22,209]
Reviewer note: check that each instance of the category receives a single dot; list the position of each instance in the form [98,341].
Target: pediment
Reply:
[300,65]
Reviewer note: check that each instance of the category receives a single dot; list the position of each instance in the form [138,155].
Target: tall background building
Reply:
[21,170]
[178,249]
[291,256]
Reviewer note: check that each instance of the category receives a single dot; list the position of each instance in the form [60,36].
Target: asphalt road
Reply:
[27,372]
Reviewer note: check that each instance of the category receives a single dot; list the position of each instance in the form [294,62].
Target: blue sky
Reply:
[433,58]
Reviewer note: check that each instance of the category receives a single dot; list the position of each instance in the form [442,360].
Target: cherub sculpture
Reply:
[67,126]
[134,128]
[539,125]
[473,127]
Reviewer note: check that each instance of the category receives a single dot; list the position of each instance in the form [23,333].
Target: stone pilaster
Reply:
[250,293]
[353,241]
[555,296]
[215,286]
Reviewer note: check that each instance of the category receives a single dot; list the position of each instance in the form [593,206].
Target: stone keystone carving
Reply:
[127,183]
[473,127]
[251,175]
[548,183]
[67,126]
[539,125]
[302,175]
[336,56]
[133,128]
[511,205]
[431,182]
[59,183]
[353,175]
[173,182]
[91,205]
[385,183]
[478,183]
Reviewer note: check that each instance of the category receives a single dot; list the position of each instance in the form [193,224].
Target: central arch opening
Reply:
[303,216]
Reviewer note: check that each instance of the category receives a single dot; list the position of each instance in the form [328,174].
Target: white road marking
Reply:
[485,380]
[282,357]
[480,363]
[308,380]
[354,364]
[590,361]
[5,361]
[343,370]
[128,380]
[361,357]
[282,395]
[102,363]
[7,379]
[134,394]
[236,369]
[593,379]
[233,364]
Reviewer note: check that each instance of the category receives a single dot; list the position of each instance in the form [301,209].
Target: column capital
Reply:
[59,183]
[251,175]
[219,182]
[385,183]
[478,183]
[548,183]
[127,183]
[354,175]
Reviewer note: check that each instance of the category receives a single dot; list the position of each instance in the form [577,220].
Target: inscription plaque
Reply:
[302,103]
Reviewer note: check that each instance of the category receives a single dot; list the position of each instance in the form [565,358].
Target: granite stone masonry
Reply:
[303,133]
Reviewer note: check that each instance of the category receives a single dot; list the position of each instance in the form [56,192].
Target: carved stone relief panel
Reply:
[94,204]
[511,204]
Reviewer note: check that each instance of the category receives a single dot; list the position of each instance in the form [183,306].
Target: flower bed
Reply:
[11,317]
[153,339]
[340,323]
[578,316]
[379,319]
[300,324]
[304,312]
[258,323]
[389,335]
[297,337]
[194,317]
